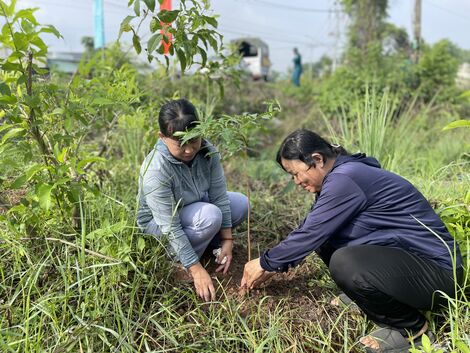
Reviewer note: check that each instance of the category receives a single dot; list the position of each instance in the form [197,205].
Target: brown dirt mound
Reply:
[295,291]
[302,296]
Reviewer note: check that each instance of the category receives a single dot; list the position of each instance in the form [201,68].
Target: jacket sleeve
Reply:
[340,200]
[157,188]
[218,190]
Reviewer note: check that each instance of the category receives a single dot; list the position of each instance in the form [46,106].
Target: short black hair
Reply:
[177,115]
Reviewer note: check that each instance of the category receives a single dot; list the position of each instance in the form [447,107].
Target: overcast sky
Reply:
[310,25]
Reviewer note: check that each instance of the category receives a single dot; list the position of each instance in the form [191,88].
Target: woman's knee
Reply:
[238,207]
[345,268]
[209,221]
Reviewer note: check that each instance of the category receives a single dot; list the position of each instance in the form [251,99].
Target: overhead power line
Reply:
[271,38]
[262,28]
[272,29]
[76,5]
[288,7]
[260,32]
[448,10]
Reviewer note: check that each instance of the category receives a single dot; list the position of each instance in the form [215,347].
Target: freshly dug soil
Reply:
[296,291]
[302,296]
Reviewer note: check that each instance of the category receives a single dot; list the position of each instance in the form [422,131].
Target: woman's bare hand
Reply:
[202,282]
[254,275]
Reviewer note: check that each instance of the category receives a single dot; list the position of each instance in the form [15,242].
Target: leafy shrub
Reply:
[436,72]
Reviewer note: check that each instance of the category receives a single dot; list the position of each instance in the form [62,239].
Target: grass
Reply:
[110,289]
[58,298]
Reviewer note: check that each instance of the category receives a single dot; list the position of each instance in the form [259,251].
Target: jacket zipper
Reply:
[192,179]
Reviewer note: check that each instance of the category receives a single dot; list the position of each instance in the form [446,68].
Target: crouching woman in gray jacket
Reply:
[183,195]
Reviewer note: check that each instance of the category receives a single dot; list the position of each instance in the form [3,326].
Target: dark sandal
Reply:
[343,299]
[392,341]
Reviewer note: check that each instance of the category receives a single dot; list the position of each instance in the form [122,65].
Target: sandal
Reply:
[388,340]
[343,299]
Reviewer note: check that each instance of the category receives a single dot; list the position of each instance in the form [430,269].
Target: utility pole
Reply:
[99,24]
[336,34]
[417,31]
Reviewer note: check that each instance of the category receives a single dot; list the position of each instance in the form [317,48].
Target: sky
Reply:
[313,26]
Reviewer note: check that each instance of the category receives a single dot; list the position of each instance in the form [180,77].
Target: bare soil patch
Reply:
[296,291]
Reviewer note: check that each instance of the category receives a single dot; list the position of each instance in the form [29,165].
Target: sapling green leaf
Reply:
[44,195]
[50,29]
[167,16]
[12,133]
[150,4]
[136,43]
[153,42]
[137,7]
[457,123]
[125,25]
[211,20]
[230,133]
[155,25]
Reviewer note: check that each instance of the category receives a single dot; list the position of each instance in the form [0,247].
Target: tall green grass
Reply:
[406,138]
[409,140]
[109,288]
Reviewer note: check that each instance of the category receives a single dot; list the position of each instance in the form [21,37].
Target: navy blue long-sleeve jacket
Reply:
[360,203]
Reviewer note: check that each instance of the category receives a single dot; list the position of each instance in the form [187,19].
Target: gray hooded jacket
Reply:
[167,184]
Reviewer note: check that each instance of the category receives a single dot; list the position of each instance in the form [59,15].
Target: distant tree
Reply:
[378,55]
[366,29]
[320,68]
[395,40]
[437,70]
[464,55]
[88,43]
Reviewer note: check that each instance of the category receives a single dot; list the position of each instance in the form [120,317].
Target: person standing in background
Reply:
[297,68]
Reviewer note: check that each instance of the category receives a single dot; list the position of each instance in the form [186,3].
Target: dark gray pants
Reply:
[390,285]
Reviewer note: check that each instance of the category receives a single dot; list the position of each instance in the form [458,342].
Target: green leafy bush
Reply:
[436,72]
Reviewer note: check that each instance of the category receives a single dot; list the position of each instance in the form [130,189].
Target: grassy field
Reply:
[107,288]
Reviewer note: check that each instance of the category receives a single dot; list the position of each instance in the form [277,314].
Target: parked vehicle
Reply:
[255,57]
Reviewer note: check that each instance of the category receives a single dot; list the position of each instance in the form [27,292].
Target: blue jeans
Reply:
[201,221]
[296,76]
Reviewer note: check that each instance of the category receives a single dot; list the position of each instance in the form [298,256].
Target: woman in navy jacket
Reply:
[385,246]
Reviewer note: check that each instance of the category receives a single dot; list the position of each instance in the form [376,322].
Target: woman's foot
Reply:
[343,300]
[389,340]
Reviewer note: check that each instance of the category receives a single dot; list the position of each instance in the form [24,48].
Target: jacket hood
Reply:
[163,149]
[357,157]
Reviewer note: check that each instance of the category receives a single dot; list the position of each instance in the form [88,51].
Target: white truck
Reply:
[254,57]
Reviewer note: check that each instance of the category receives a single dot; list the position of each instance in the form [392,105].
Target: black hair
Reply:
[177,115]
[302,143]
